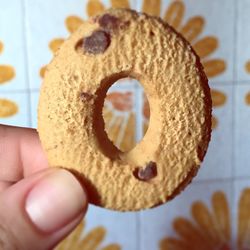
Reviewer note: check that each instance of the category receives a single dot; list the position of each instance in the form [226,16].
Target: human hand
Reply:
[39,206]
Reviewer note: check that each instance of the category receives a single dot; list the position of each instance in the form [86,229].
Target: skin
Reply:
[22,166]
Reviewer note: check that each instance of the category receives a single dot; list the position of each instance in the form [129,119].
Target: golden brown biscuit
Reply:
[117,44]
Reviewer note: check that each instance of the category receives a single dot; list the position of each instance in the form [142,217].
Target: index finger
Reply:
[21,153]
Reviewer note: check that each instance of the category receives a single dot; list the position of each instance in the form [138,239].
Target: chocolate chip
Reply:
[147,173]
[97,43]
[85,96]
[108,22]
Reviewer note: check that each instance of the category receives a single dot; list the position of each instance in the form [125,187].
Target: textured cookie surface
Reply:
[117,44]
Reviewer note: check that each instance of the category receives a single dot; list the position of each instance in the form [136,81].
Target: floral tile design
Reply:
[89,241]
[212,229]
[248,67]
[247,96]
[207,230]
[7,73]
[7,108]
[158,225]
[14,108]
[120,119]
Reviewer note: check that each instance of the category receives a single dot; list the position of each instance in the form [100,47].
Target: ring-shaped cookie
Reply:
[117,44]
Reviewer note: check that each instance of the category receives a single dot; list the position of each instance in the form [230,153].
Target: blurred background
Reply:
[214,211]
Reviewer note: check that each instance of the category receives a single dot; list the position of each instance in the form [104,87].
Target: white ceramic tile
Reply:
[121,227]
[243,39]
[34,106]
[242,132]
[22,117]
[156,224]
[12,36]
[218,160]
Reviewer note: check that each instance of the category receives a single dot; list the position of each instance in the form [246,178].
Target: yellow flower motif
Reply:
[120,120]
[247,98]
[90,241]
[1,47]
[7,108]
[248,67]
[211,230]
[7,73]
[244,221]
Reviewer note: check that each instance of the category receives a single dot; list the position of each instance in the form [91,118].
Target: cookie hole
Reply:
[152,33]
[126,113]
[121,114]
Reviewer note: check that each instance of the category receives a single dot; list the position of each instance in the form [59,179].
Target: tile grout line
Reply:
[26,59]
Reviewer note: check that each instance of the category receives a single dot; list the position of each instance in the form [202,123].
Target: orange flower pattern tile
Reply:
[120,120]
[211,229]
[248,67]
[7,73]
[7,108]
[90,241]
[247,97]
[244,221]
[191,30]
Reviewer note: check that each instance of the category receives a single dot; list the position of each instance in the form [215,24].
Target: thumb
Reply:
[39,211]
